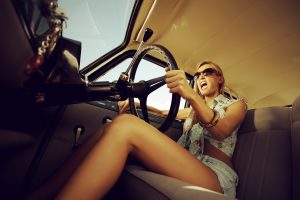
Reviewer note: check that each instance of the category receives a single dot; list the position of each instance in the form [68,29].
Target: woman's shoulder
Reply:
[225,102]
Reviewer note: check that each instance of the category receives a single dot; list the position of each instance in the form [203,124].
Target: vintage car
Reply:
[66,64]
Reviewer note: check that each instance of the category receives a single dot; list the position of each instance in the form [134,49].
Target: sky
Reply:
[100,25]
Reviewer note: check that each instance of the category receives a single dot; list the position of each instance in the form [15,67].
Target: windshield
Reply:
[100,25]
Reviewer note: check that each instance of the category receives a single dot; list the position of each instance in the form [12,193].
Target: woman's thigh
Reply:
[161,154]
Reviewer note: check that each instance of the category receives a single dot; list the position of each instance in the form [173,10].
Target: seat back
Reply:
[262,157]
[296,148]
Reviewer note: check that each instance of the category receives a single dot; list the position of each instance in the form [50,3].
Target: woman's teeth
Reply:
[203,85]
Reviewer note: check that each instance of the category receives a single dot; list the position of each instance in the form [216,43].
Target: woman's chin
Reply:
[203,93]
[208,93]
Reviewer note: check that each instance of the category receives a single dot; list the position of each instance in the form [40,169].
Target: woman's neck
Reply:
[210,99]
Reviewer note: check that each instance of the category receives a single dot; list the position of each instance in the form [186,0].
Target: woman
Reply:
[201,157]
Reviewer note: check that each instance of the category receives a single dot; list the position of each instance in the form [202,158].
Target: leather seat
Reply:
[263,157]
[266,158]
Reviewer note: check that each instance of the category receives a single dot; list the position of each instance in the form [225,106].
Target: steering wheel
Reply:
[153,84]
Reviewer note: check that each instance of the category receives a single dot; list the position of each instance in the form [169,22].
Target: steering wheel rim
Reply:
[175,102]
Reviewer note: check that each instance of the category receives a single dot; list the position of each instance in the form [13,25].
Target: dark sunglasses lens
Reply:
[208,71]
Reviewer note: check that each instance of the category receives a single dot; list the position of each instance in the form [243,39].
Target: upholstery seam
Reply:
[264,167]
[274,129]
[248,166]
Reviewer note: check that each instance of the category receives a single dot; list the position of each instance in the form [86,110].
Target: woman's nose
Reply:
[201,76]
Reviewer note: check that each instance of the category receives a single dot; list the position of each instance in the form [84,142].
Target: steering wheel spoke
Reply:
[155,83]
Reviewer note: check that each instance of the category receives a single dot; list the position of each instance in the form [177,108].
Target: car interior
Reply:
[60,83]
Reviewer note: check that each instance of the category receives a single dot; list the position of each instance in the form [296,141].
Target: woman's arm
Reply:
[177,83]
[124,106]
[234,115]
[182,113]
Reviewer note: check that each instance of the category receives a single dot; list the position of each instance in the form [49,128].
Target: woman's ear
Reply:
[221,80]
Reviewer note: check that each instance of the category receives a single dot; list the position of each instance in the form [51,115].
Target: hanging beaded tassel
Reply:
[47,44]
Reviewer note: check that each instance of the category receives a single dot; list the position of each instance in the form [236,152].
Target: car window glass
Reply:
[99,25]
[160,98]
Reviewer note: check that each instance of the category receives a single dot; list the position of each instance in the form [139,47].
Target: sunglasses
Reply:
[206,72]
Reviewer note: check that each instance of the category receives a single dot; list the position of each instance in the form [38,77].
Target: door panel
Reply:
[90,116]
[61,145]
[24,130]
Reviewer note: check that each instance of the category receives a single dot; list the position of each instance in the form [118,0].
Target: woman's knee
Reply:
[123,129]
[123,123]
[125,120]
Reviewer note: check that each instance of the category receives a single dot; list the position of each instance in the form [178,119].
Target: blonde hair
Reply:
[192,118]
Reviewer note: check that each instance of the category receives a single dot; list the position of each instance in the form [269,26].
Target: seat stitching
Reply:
[248,166]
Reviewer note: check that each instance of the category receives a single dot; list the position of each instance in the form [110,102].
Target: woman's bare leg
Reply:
[128,134]
[52,186]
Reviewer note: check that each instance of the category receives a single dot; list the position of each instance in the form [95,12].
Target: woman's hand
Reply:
[177,83]
[123,106]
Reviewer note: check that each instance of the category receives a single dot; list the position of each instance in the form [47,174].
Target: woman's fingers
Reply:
[172,79]
[175,75]
[173,84]
[123,106]
[177,83]
[171,73]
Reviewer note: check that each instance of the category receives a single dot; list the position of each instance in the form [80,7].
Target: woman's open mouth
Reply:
[203,85]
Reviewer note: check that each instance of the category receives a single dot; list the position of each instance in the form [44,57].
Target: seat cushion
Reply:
[296,147]
[139,183]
